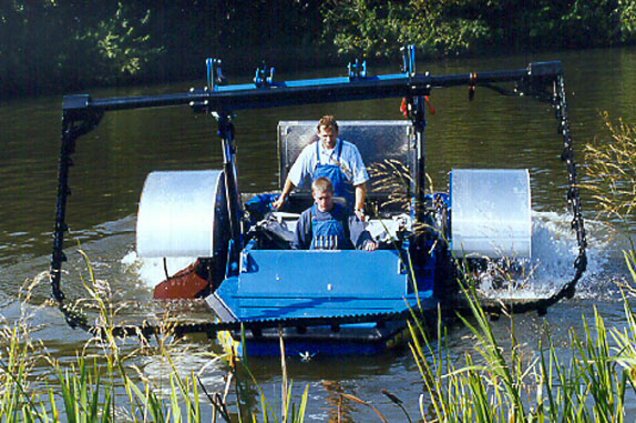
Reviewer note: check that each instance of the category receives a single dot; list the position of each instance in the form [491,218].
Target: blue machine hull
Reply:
[321,341]
[281,285]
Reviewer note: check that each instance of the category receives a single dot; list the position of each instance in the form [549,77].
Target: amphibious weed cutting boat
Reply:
[324,301]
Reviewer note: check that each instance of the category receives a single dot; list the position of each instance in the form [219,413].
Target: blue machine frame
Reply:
[254,292]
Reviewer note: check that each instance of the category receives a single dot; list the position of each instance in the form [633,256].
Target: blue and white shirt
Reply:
[351,163]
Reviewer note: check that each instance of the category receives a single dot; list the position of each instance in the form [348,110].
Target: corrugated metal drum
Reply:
[491,213]
[182,214]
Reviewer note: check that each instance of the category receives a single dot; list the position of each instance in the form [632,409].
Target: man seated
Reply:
[328,226]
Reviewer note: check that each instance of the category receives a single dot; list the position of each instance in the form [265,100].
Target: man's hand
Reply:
[370,246]
[287,189]
[360,214]
[360,198]
[280,202]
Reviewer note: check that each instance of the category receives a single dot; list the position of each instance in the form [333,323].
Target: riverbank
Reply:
[62,46]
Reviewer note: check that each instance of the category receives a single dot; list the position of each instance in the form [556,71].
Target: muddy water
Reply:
[112,162]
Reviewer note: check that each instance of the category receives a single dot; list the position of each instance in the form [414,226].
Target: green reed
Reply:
[103,383]
[610,169]
[494,382]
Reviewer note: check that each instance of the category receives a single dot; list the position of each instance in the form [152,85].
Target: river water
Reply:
[113,161]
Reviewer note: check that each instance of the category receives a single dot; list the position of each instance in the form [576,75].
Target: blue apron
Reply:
[328,234]
[341,187]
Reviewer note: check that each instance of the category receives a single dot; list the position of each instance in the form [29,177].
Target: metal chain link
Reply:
[567,156]
[580,263]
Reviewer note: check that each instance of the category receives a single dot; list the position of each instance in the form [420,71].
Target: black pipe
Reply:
[419,122]
[239,97]
[57,257]
[226,132]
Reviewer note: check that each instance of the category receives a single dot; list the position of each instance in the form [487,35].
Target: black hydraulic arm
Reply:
[71,130]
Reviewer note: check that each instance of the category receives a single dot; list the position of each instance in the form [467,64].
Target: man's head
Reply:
[327,131]
[322,191]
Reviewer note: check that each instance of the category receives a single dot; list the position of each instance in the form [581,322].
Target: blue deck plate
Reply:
[276,284]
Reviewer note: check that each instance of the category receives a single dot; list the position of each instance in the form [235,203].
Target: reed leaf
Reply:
[299,417]
[610,167]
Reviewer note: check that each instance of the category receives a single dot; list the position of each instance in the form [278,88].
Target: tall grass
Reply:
[104,384]
[494,382]
[610,168]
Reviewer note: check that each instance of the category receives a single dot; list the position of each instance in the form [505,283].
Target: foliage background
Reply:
[62,45]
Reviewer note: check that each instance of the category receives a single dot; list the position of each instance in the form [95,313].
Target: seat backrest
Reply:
[377,141]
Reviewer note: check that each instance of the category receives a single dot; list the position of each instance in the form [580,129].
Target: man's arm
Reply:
[297,173]
[360,176]
[302,235]
[361,196]
[283,196]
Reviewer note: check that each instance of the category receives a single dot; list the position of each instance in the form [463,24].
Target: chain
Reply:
[72,129]
[580,263]
[211,328]
[567,156]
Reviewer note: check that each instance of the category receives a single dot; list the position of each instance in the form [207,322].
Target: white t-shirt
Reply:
[351,162]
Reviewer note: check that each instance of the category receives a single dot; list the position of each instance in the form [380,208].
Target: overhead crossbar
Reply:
[325,90]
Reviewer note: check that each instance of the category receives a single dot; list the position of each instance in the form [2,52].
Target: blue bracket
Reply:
[264,76]
[357,70]
[214,77]
[214,74]
[408,60]
[232,265]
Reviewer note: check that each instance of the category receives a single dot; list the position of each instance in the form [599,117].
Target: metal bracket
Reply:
[214,74]
[540,80]
[408,60]
[215,78]
[357,70]
[264,77]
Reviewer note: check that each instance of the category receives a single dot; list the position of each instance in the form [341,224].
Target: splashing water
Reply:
[554,249]
[151,271]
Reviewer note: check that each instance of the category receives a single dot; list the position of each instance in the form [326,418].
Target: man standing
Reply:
[332,158]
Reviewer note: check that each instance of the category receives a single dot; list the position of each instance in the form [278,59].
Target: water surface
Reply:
[112,162]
